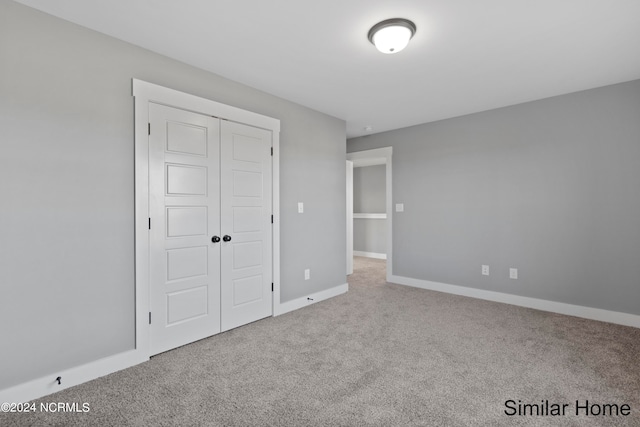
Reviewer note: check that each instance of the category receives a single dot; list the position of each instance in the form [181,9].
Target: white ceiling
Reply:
[467,55]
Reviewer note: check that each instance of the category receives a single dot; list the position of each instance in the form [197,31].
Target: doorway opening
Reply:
[369,201]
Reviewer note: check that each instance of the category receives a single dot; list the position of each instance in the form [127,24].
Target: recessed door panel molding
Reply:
[247,149]
[247,254]
[184,221]
[187,262]
[187,304]
[247,219]
[247,290]
[247,183]
[186,180]
[186,138]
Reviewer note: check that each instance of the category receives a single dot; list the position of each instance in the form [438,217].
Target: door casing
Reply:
[145,92]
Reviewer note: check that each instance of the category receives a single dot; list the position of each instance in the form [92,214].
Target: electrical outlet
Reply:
[300,207]
[485,270]
[307,274]
[513,273]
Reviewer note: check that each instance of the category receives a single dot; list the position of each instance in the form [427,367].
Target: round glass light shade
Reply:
[392,35]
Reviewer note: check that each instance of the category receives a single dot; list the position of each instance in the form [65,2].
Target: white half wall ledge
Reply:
[43,386]
[370,216]
[590,313]
[297,303]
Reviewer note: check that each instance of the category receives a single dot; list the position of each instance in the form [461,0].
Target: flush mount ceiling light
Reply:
[392,35]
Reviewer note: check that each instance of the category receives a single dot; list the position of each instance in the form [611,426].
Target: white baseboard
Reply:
[311,299]
[625,319]
[43,386]
[370,254]
[74,376]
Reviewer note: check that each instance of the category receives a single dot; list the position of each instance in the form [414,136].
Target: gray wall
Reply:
[369,189]
[369,196]
[370,235]
[549,187]
[67,168]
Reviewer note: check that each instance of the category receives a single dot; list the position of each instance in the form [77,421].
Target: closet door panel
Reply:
[184,209]
[246,263]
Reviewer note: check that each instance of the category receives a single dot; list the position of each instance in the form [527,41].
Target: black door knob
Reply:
[226,238]
[215,239]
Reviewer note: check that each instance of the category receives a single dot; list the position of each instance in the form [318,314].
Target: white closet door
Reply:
[246,293]
[184,183]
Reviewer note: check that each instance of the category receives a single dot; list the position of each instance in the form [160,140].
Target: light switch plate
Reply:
[399,207]
[300,207]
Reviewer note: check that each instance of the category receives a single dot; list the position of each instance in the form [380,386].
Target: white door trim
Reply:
[349,217]
[144,93]
[380,156]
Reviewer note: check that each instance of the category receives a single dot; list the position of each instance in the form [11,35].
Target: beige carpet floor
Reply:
[380,355]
